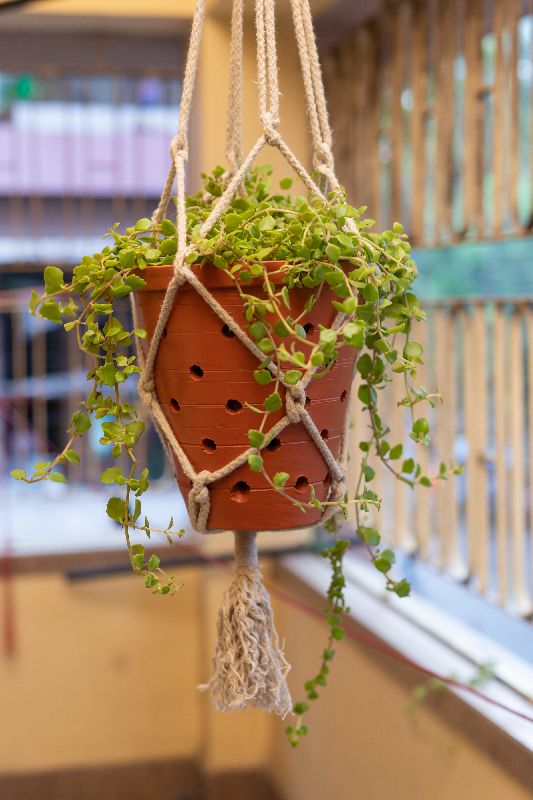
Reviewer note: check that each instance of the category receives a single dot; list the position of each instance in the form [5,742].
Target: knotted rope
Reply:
[248,663]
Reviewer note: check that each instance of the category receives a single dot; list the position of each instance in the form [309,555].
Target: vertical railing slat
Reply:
[521,598]
[499,366]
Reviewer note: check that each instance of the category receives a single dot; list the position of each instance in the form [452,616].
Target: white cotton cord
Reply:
[249,666]
[235,92]
[314,90]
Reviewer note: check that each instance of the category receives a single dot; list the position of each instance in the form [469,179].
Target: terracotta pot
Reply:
[203,376]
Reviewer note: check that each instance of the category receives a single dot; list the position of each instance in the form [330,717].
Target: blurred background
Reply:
[431,108]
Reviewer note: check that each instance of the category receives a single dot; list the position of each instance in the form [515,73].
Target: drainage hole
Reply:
[174,405]
[239,492]
[343,396]
[165,332]
[309,329]
[233,406]
[324,435]
[301,483]
[196,372]
[226,331]
[307,401]
[209,445]
[273,445]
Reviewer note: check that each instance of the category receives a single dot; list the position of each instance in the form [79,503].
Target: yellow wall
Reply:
[209,122]
[362,744]
[103,672]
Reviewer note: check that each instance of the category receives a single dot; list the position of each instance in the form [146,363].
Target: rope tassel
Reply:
[248,665]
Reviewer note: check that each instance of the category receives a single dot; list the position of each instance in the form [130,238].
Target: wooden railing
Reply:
[477,527]
[431,106]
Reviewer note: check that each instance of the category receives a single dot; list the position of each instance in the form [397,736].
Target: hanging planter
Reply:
[251,313]
[206,384]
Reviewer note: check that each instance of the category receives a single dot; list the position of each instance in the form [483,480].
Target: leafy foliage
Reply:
[316,244]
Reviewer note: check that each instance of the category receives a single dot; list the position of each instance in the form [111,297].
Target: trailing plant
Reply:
[318,244]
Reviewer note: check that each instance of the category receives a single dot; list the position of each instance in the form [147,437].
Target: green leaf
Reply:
[112,475]
[167,227]
[402,588]
[154,562]
[385,561]
[134,431]
[127,258]
[408,466]
[370,293]
[396,452]
[263,376]
[285,183]
[53,279]
[421,426]
[255,463]
[140,333]
[135,282]
[267,223]
[72,456]
[107,374]
[143,224]
[280,479]
[57,477]
[333,253]
[369,535]
[292,376]
[116,509]
[256,438]
[81,422]
[168,247]
[18,474]
[413,351]
[50,310]
[257,330]
[273,402]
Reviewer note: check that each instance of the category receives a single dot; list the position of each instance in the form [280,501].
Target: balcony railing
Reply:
[476,528]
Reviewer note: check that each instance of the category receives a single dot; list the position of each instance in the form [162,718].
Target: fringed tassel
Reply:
[248,665]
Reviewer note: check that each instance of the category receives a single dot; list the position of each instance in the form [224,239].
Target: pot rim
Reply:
[157,276]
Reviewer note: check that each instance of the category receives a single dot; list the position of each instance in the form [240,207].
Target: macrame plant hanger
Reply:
[248,665]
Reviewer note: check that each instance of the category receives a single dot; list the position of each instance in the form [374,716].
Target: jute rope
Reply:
[248,664]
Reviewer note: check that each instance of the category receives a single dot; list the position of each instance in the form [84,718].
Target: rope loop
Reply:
[199,502]
[178,148]
[295,403]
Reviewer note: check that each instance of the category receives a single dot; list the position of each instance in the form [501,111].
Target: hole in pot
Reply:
[174,405]
[226,331]
[234,406]
[309,329]
[307,401]
[301,483]
[239,492]
[273,445]
[324,435]
[165,332]
[209,445]
[343,396]
[196,372]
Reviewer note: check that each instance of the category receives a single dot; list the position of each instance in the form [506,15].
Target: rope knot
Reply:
[178,149]
[323,155]
[295,403]
[146,389]
[270,126]
[199,501]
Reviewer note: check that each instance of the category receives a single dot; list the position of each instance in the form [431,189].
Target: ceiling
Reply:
[158,17]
